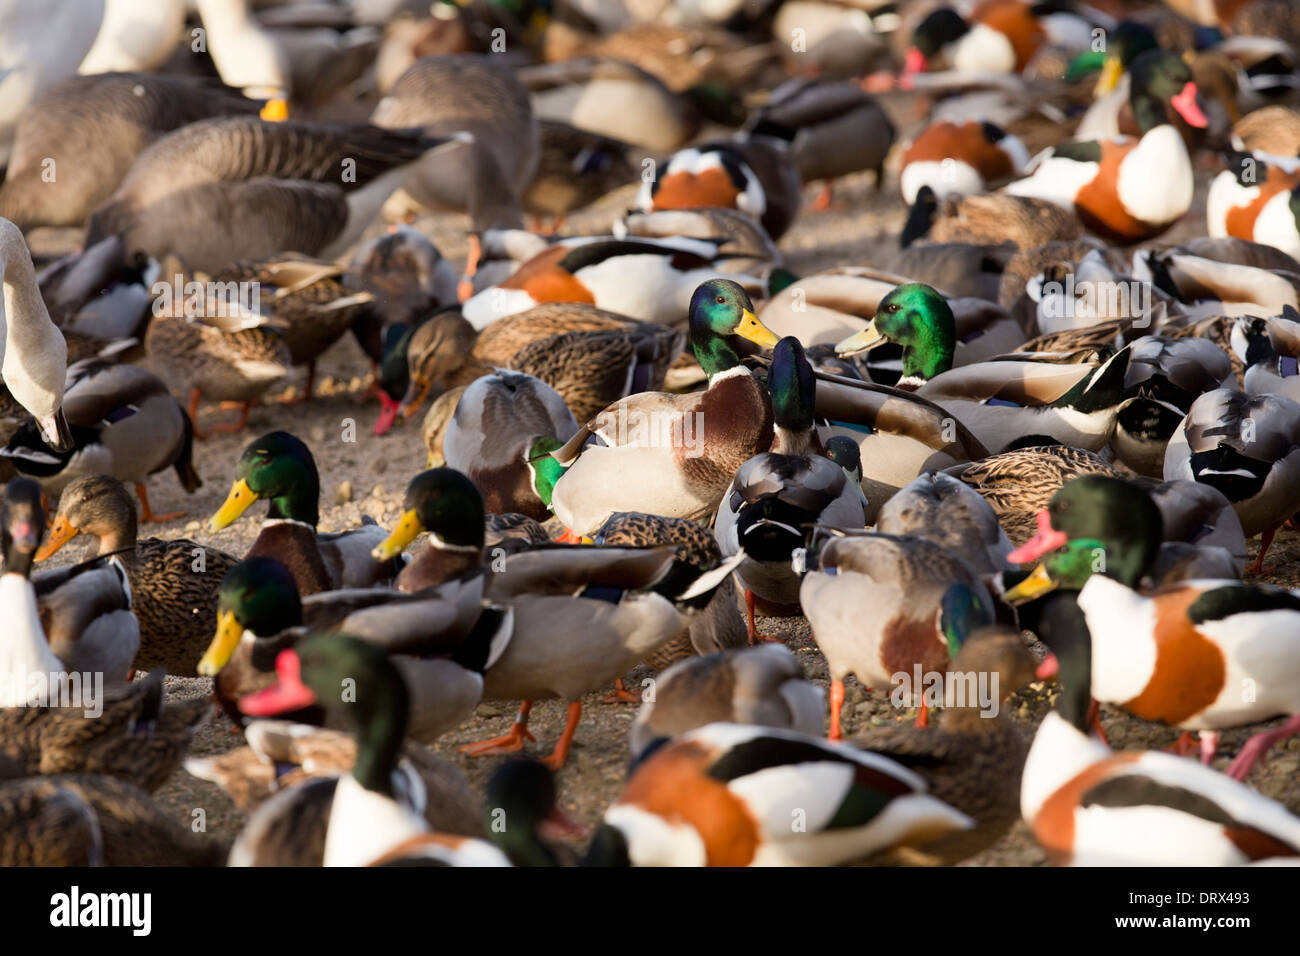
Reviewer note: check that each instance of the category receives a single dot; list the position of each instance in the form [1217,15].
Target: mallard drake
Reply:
[285,778]
[723,795]
[368,816]
[173,582]
[76,620]
[1165,376]
[124,423]
[763,686]
[1268,349]
[503,430]
[479,102]
[651,474]
[1000,401]
[1249,449]
[1180,654]
[280,468]
[1257,198]
[647,279]
[756,175]
[1111,183]
[874,601]
[777,496]
[972,760]
[448,506]
[114,116]
[616,98]
[959,159]
[33,358]
[73,819]
[832,126]
[255,177]
[576,167]
[441,642]
[826,307]
[1088,806]
[942,509]
[747,247]
[307,299]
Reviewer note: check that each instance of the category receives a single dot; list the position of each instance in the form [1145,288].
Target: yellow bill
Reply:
[407,530]
[1111,71]
[862,341]
[755,331]
[1037,584]
[237,502]
[59,535]
[229,633]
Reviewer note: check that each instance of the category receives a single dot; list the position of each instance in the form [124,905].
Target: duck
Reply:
[1256,198]
[840,42]
[493,155]
[999,37]
[441,642]
[973,758]
[651,475]
[760,686]
[206,348]
[650,280]
[874,602]
[777,496]
[616,98]
[1268,349]
[123,422]
[369,817]
[1174,811]
[1273,129]
[947,511]
[826,307]
[756,175]
[1223,276]
[576,167]
[407,278]
[1108,182]
[308,299]
[1000,401]
[833,127]
[33,361]
[262,170]
[502,433]
[173,582]
[760,778]
[591,356]
[959,159]
[720,626]
[90,819]
[746,246]
[280,468]
[1178,655]
[289,772]
[1248,447]
[76,620]
[115,114]
[984,219]
[434,426]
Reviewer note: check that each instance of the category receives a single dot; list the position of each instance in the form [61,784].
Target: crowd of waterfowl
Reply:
[1023,453]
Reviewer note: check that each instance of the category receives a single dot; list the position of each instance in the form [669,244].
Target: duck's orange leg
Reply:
[561,753]
[508,743]
[923,714]
[621,694]
[1094,721]
[824,198]
[1183,746]
[1258,567]
[192,409]
[238,425]
[837,704]
[146,513]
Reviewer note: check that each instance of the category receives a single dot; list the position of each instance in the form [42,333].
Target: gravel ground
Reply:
[860,228]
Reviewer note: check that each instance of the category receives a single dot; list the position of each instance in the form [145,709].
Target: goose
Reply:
[246,56]
[309,187]
[113,116]
[135,37]
[33,353]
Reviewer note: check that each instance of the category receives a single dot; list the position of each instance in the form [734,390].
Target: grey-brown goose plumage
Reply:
[446,95]
[112,117]
[258,189]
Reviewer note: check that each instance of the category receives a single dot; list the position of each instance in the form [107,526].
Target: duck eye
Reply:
[720,299]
